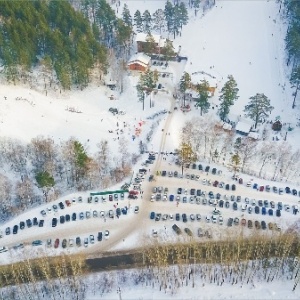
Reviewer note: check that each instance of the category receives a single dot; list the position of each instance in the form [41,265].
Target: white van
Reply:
[244,206]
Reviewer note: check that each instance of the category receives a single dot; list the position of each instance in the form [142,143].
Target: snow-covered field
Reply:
[242,38]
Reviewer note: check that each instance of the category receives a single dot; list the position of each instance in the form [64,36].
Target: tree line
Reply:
[258,109]
[266,159]
[43,170]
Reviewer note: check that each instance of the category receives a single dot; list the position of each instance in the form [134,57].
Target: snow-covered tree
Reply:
[138,21]
[229,93]
[158,20]
[150,45]
[259,108]
[295,81]
[169,16]
[126,17]
[186,155]
[202,101]
[168,50]
[147,21]
[235,162]
[183,15]
[196,6]
[185,83]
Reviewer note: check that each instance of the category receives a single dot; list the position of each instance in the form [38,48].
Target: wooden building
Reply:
[139,62]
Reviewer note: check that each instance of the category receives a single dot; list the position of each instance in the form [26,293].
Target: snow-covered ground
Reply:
[242,38]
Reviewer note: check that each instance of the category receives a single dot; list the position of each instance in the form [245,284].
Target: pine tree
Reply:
[168,50]
[169,16]
[183,15]
[158,20]
[138,21]
[196,6]
[147,21]
[150,45]
[185,83]
[295,81]
[259,108]
[229,94]
[126,17]
[202,101]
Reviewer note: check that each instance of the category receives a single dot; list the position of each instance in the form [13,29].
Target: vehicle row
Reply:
[200,232]
[275,189]
[29,223]
[251,224]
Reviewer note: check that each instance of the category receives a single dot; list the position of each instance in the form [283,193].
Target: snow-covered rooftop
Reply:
[243,126]
[142,37]
[140,58]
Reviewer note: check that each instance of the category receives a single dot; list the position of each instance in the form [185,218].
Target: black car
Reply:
[118,211]
[41,223]
[263,225]
[99,237]
[235,207]
[68,218]
[194,166]
[287,190]
[230,222]
[22,225]
[177,217]
[200,167]
[78,241]
[61,205]
[227,204]
[15,229]
[35,222]
[278,213]
[256,209]
[179,191]
[193,191]
[294,192]
[233,187]
[221,203]
[28,223]
[54,222]
[184,218]
[279,205]
[214,171]
[260,203]
[7,231]
[218,196]
[74,216]
[198,193]
[207,168]
[227,187]
[164,173]
[176,229]
[62,219]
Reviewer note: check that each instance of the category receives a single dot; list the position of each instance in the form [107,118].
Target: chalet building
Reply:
[139,62]
[141,41]
[243,127]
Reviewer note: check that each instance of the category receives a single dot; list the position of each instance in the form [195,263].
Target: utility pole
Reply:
[119,292]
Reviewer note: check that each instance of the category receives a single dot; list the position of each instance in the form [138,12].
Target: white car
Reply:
[86,242]
[207,219]
[204,181]
[49,210]
[171,217]
[221,221]
[71,242]
[73,201]
[197,177]
[154,233]
[136,210]
[106,234]
[214,219]
[92,239]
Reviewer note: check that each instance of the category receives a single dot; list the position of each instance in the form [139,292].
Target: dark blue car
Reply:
[256,209]
[263,211]
[171,197]
[152,215]
[255,186]
[270,212]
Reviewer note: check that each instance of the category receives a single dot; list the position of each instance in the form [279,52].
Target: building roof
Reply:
[243,126]
[140,58]
[254,135]
[227,126]
[141,37]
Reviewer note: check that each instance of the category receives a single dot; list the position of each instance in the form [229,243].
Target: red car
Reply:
[216,183]
[68,203]
[261,188]
[56,243]
[133,192]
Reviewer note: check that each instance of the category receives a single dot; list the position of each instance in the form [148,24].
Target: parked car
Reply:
[41,223]
[54,222]
[256,209]
[22,225]
[106,234]
[62,219]
[64,243]
[43,213]
[68,218]
[56,243]
[152,215]
[176,229]
[37,243]
[250,224]
[263,225]
[92,239]
[15,229]
[35,222]
[78,241]
[99,236]
[278,213]
[233,187]
[74,216]
[188,231]
[61,205]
